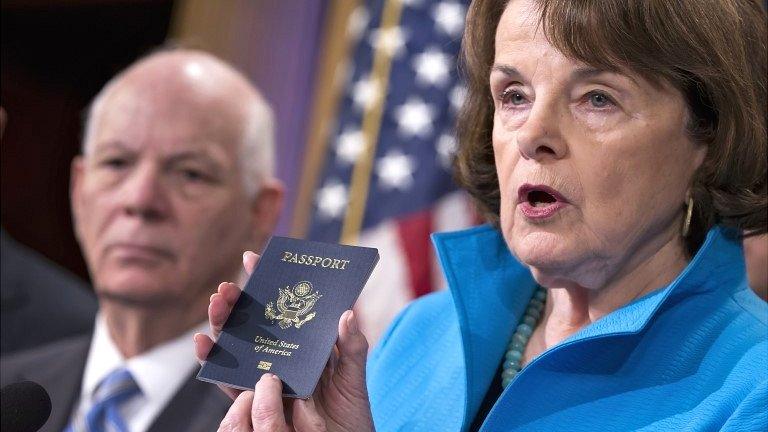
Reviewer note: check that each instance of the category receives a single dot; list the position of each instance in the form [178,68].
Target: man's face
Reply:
[160,208]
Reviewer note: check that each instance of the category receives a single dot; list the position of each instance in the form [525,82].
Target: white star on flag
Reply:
[446,149]
[395,170]
[391,40]
[414,118]
[331,200]
[357,22]
[449,18]
[349,146]
[365,93]
[432,67]
[412,3]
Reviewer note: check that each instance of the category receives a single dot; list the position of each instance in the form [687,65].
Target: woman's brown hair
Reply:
[713,51]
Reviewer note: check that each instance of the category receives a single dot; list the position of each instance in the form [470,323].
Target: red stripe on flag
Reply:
[414,233]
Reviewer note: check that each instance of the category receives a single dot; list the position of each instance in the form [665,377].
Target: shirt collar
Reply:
[159,372]
[491,290]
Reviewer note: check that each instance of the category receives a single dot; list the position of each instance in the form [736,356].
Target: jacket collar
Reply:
[491,290]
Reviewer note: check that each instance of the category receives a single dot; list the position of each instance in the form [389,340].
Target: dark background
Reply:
[56,55]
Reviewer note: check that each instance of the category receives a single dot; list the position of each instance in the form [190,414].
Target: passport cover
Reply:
[286,320]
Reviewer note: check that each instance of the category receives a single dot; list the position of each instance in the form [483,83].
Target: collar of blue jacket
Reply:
[490,290]
[481,254]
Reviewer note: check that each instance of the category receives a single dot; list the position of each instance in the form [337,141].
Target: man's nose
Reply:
[143,194]
[540,138]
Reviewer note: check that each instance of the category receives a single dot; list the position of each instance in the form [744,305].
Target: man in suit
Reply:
[174,182]
[40,302]
[32,289]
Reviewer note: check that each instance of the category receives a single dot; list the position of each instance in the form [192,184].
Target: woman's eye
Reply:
[512,96]
[599,99]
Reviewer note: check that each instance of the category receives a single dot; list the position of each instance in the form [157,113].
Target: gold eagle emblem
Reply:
[294,305]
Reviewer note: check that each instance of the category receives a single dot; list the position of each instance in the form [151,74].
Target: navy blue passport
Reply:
[286,320]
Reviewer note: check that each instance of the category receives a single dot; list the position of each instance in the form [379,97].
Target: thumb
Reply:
[353,352]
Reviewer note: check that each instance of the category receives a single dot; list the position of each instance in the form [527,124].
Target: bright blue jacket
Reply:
[691,356]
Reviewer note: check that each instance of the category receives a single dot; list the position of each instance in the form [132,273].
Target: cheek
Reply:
[92,214]
[505,157]
[631,188]
[218,227]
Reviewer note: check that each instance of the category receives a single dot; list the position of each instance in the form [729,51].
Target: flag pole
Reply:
[361,173]
[327,94]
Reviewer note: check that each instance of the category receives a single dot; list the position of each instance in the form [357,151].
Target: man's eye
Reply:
[193,175]
[115,162]
[599,99]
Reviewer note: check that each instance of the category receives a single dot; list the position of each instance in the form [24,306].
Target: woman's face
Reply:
[593,166]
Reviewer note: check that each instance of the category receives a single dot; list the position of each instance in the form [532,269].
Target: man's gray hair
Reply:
[257,147]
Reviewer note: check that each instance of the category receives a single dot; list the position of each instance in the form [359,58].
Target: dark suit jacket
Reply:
[59,367]
[41,302]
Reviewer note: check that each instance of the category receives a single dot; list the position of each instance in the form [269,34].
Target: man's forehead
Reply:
[166,150]
[138,116]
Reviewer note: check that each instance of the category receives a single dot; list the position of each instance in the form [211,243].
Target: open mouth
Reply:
[540,201]
[539,198]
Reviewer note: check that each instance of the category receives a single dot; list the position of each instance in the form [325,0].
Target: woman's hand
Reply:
[340,402]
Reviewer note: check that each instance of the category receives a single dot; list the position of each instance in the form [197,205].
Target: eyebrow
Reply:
[579,74]
[194,155]
[182,156]
[109,145]
[582,72]
[585,72]
[506,70]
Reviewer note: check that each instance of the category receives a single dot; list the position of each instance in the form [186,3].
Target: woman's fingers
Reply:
[226,296]
[250,260]
[353,350]
[238,418]
[306,417]
[203,345]
[267,409]
[230,292]
[220,306]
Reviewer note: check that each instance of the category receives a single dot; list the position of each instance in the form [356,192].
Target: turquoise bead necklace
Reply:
[514,355]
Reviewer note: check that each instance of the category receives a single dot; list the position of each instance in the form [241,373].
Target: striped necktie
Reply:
[104,414]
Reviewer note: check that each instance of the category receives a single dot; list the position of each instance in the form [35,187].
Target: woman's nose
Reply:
[540,138]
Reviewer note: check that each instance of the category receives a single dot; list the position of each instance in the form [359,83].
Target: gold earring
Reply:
[688,214]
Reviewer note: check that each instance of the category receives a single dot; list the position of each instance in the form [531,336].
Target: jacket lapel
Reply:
[197,406]
[719,262]
[59,369]
[491,291]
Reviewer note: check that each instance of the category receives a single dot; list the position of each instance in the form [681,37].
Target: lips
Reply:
[127,250]
[540,202]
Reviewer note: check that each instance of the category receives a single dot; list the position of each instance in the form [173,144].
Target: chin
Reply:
[547,254]
[535,247]
[134,286]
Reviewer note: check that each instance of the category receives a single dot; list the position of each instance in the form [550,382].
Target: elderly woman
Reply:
[617,147]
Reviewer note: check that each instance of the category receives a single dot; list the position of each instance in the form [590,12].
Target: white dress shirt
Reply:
[159,373]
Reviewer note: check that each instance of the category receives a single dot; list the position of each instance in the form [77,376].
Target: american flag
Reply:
[401,97]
